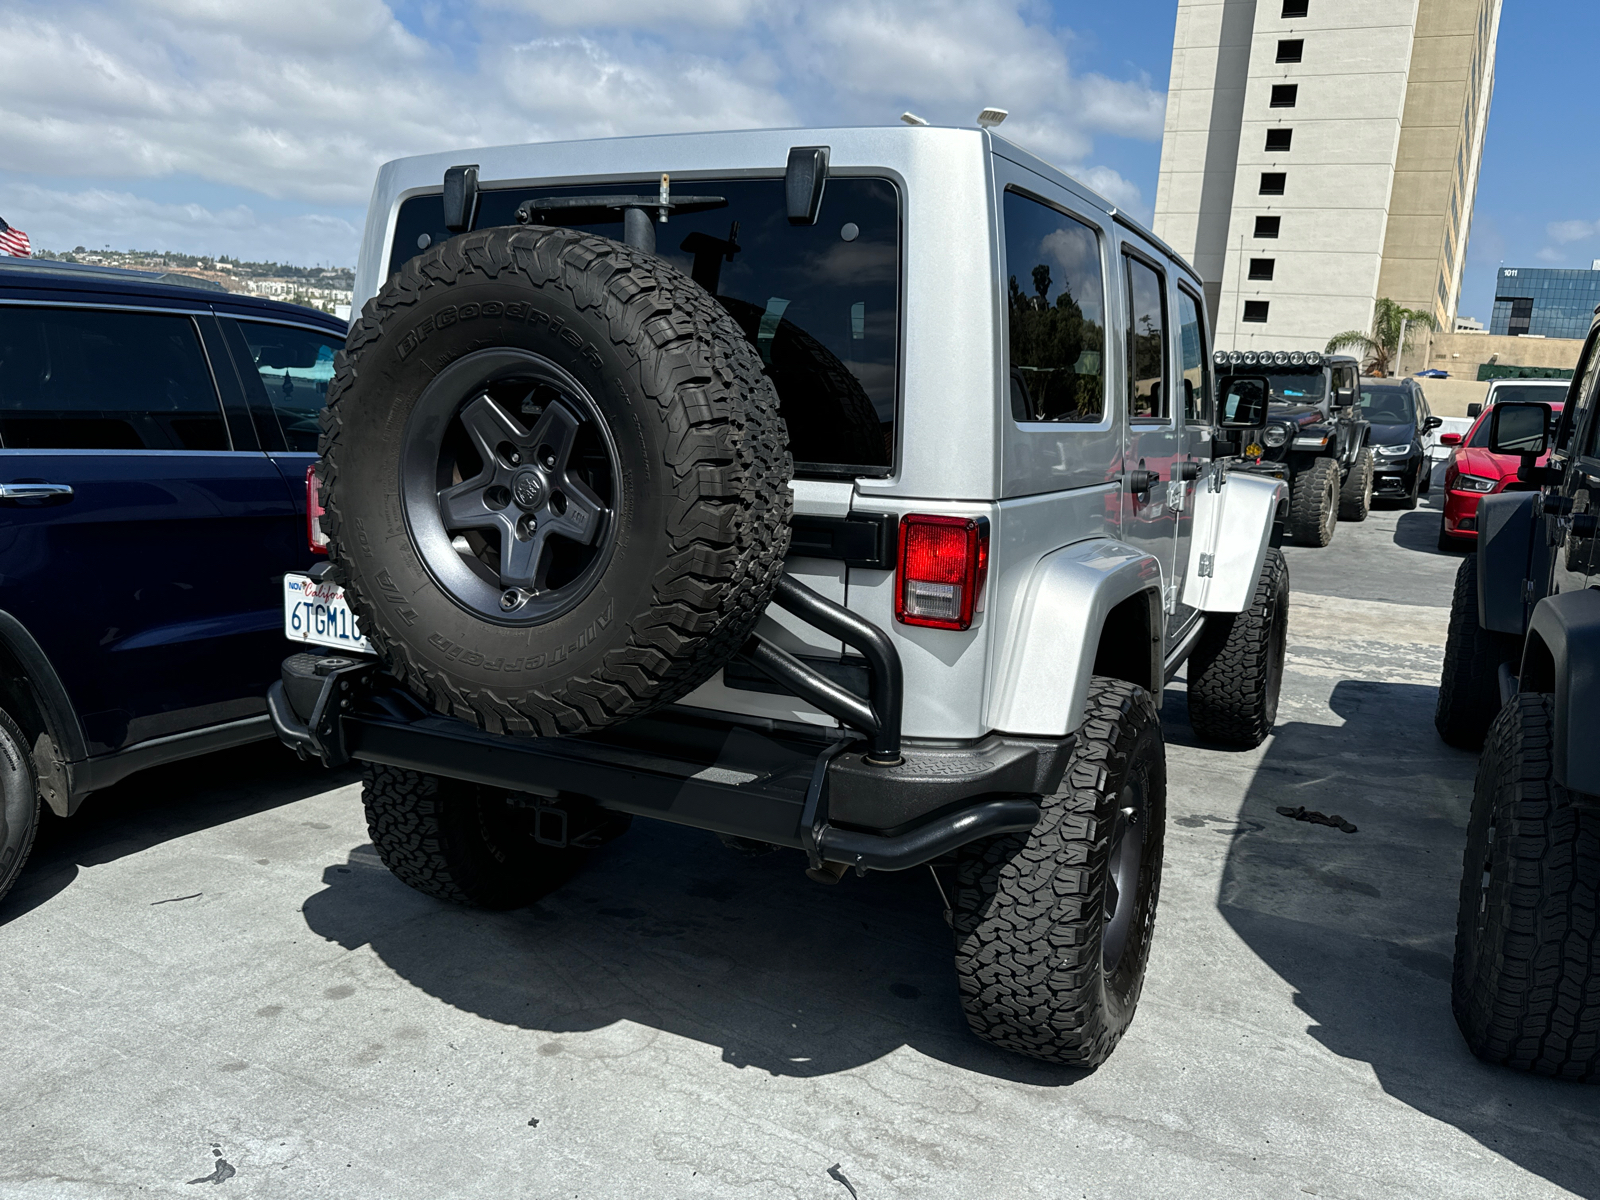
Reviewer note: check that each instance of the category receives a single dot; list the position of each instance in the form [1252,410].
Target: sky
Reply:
[255,129]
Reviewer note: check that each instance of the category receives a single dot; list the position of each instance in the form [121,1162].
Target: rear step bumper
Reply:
[814,791]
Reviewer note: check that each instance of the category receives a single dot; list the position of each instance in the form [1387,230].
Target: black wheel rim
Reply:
[1124,863]
[509,481]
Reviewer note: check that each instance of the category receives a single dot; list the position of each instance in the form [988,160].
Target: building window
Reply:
[1261,268]
[1291,49]
[1267,227]
[1295,8]
[1272,183]
[1255,312]
[1283,94]
[1278,140]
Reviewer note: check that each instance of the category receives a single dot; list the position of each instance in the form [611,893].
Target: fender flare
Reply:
[1233,521]
[1562,656]
[1048,656]
[55,709]
[1507,523]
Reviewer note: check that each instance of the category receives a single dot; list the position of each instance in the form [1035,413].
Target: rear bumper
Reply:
[785,786]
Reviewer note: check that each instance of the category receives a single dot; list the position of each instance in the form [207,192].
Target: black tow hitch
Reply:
[324,687]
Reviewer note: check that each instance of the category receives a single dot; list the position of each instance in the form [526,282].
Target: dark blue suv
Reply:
[154,443]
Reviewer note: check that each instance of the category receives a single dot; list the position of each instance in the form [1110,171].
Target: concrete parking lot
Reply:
[210,981]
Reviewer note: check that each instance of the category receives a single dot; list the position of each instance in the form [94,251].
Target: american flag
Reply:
[14,242]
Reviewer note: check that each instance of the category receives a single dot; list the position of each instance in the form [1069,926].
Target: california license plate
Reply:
[317,613]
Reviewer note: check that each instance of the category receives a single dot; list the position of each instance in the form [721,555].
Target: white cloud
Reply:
[302,100]
[94,217]
[1572,231]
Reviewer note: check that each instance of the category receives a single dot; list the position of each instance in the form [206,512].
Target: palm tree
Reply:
[1382,346]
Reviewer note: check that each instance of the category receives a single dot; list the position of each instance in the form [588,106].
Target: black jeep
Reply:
[1522,679]
[1315,439]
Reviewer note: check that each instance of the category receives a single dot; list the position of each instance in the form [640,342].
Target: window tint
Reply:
[85,379]
[294,366]
[1387,405]
[1192,342]
[819,302]
[1147,342]
[1056,305]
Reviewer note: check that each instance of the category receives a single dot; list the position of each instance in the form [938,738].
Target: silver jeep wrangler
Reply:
[851,491]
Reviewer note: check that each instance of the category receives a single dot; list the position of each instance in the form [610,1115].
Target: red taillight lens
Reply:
[315,538]
[943,563]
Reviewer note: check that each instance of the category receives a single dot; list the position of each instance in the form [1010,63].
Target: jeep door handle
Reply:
[1143,481]
[1187,472]
[35,491]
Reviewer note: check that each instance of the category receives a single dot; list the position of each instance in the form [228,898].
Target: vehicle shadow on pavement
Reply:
[1362,925]
[1419,530]
[669,930]
[160,805]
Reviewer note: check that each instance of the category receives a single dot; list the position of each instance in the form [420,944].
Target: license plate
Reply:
[317,613]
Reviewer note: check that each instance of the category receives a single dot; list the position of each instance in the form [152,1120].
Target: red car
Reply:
[1472,473]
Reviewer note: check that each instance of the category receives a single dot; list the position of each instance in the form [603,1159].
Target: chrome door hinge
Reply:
[1171,597]
[1206,563]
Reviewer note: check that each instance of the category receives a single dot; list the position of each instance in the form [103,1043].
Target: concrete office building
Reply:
[1319,154]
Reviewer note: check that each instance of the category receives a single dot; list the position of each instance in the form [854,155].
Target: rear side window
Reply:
[1147,343]
[94,379]
[1192,343]
[1055,303]
[294,367]
[820,303]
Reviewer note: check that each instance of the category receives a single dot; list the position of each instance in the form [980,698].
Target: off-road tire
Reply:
[702,477]
[1469,684]
[19,802]
[1355,496]
[1028,909]
[461,842]
[1236,668]
[1526,985]
[1314,503]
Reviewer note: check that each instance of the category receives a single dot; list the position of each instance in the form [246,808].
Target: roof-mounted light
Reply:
[1296,358]
[1281,358]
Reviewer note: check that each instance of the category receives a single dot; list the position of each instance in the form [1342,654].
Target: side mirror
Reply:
[1520,427]
[1244,402]
[1449,439]
[1431,424]
[1344,399]
[1474,410]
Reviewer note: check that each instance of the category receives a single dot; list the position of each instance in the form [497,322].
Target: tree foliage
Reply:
[1381,347]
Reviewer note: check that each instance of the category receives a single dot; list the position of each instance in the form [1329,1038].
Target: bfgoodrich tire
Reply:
[1526,986]
[1053,926]
[1355,497]
[19,802]
[556,480]
[1314,503]
[1236,669]
[463,843]
[1469,683]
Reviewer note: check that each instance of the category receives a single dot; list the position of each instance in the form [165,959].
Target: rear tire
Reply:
[461,842]
[1236,670]
[1526,985]
[1355,497]
[19,802]
[1044,968]
[1314,503]
[1469,684]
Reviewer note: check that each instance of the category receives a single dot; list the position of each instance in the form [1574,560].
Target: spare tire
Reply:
[556,480]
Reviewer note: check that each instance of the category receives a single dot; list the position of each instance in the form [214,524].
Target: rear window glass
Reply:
[821,303]
[93,379]
[294,367]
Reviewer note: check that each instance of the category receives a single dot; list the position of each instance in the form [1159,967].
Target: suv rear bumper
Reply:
[814,791]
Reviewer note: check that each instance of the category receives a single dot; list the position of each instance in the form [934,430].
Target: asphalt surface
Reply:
[210,981]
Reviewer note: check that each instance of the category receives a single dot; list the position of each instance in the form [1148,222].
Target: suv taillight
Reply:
[943,563]
[315,538]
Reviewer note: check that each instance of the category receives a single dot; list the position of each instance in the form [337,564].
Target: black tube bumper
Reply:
[814,791]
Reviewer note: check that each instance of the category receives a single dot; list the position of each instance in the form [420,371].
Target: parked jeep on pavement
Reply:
[154,443]
[1522,678]
[854,491]
[1316,438]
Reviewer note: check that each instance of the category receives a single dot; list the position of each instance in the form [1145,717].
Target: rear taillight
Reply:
[315,538]
[943,562]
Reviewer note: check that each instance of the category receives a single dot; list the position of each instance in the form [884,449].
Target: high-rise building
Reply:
[1541,302]
[1319,154]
